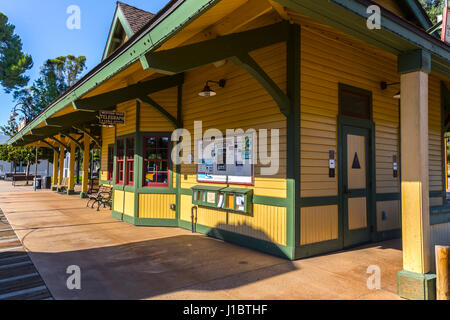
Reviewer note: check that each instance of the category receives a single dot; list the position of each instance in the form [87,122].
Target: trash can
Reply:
[47,182]
[37,183]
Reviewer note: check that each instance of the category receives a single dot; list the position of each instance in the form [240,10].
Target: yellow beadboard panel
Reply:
[318,224]
[392,213]
[357,213]
[118,200]
[129,108]
[440,235]
[156,206]
[129,204]
[266,223]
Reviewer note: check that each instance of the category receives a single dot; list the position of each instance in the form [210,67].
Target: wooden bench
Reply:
[102,197]
[62,187]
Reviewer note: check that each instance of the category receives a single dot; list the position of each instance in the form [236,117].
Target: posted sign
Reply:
[112,117]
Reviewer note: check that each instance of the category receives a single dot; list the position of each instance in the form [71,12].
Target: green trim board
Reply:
[135,91]
[119,18]
[248,64]
[242,240]
[416,286]
[440,214]
[209,51]
[147,222]
[415,60]
[315,249]
[293,61]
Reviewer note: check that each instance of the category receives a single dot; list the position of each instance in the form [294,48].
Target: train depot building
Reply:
[342,126]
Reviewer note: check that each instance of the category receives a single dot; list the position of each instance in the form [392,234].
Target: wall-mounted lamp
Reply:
[384,85]
[208,92]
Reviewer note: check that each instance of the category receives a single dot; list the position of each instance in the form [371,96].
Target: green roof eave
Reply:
[396,35]
[164,25]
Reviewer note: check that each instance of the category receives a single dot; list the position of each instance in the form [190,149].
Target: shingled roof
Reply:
[136,18]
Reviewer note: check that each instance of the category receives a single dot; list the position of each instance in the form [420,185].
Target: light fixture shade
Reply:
[397,95]
[207,92]
[14,115]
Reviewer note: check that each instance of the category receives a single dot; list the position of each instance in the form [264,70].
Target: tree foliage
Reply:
[13,62]
[56,76]
[434,8]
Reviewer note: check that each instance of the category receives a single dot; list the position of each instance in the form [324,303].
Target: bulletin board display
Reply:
[226,160]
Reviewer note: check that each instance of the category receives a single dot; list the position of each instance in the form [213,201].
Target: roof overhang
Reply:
[349,16]
[395,36]
[176,15]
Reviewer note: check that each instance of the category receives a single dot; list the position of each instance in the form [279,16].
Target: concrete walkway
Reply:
[121,261]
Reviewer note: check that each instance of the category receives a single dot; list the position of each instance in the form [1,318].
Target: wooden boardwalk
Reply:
[19,279]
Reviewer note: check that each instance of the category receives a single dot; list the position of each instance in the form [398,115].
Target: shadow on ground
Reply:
[155,267]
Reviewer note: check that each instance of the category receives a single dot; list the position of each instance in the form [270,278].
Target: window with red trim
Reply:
[120,161]
[110,161]
[156,161]
[130,161]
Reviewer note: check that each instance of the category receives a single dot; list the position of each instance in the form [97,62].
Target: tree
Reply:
[13,62]
[56,76]
[434,8]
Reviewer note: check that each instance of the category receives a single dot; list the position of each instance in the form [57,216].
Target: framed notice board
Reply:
[226,160]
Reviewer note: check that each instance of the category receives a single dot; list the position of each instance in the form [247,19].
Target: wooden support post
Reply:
[85,177]
[61,166]
[415,280]
[442,273]
[55,170]
[71,184]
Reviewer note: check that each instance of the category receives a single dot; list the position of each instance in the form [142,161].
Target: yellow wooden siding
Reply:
[156,206]
[435,146]
[153,121]
[118,201]
[266,223]
[129,108]
[244,104]
[129,204]
[108,138]
[318,224]
[326,63]
[392,213]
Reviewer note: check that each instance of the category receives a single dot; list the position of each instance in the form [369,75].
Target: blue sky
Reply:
[42,27]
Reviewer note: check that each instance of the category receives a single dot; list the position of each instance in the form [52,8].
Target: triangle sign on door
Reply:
[356,164]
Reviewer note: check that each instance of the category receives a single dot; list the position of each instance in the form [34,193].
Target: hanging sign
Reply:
[112,117]
[445,34]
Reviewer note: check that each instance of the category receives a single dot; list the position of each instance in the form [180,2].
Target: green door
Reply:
[355,186]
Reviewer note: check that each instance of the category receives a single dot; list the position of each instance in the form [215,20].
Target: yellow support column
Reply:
[61,167]
[71,183]
[85,174]
[414,281]
[55,171]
